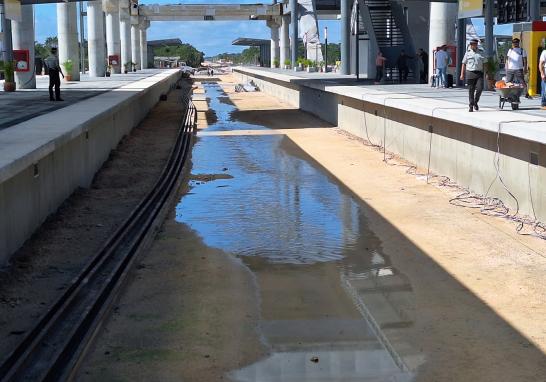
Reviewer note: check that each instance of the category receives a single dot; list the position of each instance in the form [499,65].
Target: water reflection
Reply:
[327,289]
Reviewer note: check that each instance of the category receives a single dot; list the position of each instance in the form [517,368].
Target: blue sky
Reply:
[210,37]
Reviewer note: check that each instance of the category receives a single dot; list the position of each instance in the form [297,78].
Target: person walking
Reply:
[472,68]
[402,65]
[541,63]
[516,65]
[54,69]
[442,61]
[423,65]
[379,66]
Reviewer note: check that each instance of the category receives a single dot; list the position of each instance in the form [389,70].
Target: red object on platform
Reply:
[22,60]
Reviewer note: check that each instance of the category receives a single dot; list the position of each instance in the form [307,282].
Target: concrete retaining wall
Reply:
[466,154]
[54,154]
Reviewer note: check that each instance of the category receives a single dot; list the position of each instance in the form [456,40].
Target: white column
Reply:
[274,26]
[23,38]
[113,47]
[135,45]
[125,33]
[67,33]
[95,44]
[284,39]
[443,18]
[144,44]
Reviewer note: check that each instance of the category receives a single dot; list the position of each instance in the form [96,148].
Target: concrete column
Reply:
[443,19]
[125,34]
[144,25]
[135,45]
[67,33]
[284,40]
[489,23]
[113,46]
[294,32]
[23,38]
[534,10]
[275,51]
[96,43]
[7,43]
[345,36]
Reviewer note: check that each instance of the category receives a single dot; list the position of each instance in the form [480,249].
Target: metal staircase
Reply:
[392,35]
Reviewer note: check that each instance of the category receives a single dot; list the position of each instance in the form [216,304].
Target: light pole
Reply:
[326,49]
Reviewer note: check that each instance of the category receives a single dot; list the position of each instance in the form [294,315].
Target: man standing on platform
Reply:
[516,63]
[54,69]
[472,67]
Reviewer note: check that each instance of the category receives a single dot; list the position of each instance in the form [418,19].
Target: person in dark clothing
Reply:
[402,65]
[54,69]
[423,57]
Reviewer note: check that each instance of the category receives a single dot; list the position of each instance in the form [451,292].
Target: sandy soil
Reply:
[477,298]
[43,267]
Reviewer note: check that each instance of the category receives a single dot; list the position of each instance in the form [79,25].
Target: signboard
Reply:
[113,60]
[470,8]
[22,60]
[12,9]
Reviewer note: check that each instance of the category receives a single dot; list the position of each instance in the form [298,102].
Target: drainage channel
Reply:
[326,289]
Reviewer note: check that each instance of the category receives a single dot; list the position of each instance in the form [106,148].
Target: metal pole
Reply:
[357,38]
[461,48]
[489,38]
[6,28]
[82,40]
[294,31]
[345,37]
[326,49]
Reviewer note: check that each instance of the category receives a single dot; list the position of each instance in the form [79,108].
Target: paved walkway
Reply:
[457,95]
[29,103]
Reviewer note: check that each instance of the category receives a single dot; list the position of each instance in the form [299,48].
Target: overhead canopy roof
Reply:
[250,41]
[169,41]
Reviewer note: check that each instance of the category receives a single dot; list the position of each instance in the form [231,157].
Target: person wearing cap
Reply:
[516,63]
[54,69]
[472,68]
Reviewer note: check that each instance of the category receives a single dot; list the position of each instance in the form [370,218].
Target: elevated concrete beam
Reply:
[218,12]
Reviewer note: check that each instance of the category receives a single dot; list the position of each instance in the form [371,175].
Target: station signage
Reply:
[470,8]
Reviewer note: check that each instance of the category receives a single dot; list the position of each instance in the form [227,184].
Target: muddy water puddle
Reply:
[328,294]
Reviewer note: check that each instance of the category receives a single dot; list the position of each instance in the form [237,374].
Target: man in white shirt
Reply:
[541,63]
[442,60]
[516,63]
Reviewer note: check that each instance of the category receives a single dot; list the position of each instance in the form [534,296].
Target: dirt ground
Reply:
[478,296]
[40,271]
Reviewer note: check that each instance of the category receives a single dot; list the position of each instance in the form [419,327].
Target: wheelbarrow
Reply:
[510,95]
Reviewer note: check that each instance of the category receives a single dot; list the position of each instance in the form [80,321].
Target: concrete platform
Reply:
[431,128]
[46,157]
[25,104]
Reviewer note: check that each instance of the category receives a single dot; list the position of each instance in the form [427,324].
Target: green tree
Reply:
[186,52]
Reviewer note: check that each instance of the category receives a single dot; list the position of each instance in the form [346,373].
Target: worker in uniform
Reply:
[54,69]
[472,68]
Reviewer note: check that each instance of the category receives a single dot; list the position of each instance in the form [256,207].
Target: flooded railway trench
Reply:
[326,289]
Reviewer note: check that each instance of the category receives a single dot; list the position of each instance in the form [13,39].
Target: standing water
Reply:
[326,289]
